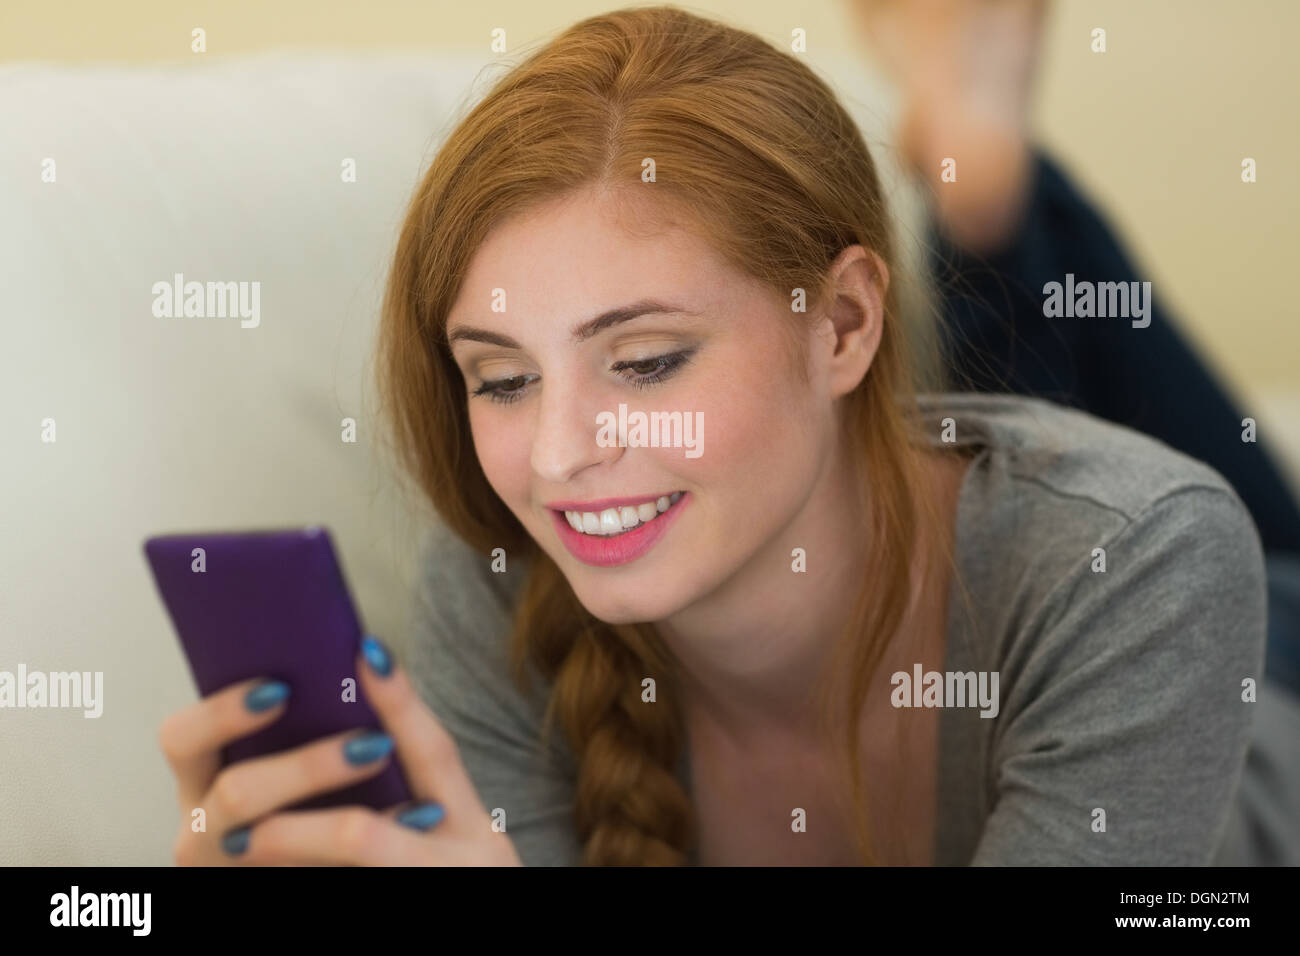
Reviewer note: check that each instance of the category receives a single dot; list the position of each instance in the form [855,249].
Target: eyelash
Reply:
[667,366]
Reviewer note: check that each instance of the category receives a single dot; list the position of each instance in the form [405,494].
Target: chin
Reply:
[613,607]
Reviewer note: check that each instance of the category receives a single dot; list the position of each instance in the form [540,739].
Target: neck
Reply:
[752,652]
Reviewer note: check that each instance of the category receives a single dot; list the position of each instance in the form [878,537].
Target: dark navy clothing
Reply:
[998,339]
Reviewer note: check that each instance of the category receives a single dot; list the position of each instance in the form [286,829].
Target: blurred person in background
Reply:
[1013,221]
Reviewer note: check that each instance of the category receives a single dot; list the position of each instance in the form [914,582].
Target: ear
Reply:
[854,316]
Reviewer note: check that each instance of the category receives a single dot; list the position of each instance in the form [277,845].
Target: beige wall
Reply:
[1156,127]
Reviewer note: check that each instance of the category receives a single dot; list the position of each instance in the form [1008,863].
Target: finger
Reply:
[427,752]
[252,788]
[191,739]
[336,836]
[418,815]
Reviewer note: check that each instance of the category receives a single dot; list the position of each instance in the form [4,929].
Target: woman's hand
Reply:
[447,825]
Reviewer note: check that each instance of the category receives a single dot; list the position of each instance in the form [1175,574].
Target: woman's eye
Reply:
[503,389]
[646,372]
[654,370]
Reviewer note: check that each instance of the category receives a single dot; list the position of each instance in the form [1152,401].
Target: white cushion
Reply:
[224,172]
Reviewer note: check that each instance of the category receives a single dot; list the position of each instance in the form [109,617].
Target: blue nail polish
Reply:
[235,842]
[368,749]
[424,816]
[377,656]
[265,696]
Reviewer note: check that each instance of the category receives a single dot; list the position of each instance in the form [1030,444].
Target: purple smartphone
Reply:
[273,604]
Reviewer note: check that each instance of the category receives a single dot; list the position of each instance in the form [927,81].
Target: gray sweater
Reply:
[1118,690]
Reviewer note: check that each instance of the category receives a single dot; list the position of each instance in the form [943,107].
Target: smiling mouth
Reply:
[612,522]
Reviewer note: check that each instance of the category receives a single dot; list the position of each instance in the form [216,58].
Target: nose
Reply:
[564,442]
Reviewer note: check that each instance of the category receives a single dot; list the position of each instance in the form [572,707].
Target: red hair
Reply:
[756,154]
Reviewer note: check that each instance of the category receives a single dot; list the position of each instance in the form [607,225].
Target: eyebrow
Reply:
[580,333]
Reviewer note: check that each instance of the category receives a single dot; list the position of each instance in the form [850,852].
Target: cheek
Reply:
[757,432]
[502,453]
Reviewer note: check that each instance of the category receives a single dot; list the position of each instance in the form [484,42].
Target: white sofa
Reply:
[219,171]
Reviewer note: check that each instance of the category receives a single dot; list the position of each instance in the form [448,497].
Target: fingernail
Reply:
[265,696]
[377,656]
[424,816]
[369,748]
[235,842]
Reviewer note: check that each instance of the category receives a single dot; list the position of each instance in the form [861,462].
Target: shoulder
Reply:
[459,649]
[1118,593]
[1052,490]
[458,658]
[1079,537]
[1070,454]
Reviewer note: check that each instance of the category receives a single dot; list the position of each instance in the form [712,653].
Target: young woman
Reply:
[838,621]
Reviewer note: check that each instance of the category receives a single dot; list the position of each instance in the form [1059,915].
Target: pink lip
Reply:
[605,552]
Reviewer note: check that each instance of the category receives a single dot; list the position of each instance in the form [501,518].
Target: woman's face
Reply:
[712,349]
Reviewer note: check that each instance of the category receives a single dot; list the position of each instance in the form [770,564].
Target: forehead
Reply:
[594,247]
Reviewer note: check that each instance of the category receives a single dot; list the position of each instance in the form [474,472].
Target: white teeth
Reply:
[613,521]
